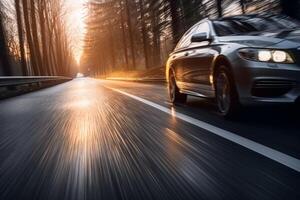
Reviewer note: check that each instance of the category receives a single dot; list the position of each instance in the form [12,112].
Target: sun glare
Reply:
[76,21]
[79,75]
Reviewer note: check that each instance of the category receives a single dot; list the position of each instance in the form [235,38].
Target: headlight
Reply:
[280,56]
[266,55]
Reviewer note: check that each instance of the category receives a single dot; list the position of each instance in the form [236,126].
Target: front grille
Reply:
[272,88]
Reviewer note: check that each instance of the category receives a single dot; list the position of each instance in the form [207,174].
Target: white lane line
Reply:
[272,154]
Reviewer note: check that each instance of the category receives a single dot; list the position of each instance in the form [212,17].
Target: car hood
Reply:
[280,39]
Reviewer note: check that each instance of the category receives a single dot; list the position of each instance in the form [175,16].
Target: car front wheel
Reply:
[226,95]
[174,93]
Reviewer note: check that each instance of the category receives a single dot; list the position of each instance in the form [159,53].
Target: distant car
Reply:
[239,60]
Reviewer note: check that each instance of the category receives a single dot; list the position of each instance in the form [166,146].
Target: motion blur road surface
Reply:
[95,139]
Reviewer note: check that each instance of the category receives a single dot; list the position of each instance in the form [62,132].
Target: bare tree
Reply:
[29,38]
[35,37]
[21,37]
[4,57]
[144,33]
[129,24]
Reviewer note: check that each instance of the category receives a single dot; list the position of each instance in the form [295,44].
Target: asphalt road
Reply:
[94,139]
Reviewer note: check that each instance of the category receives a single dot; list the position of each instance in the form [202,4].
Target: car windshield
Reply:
[247,24]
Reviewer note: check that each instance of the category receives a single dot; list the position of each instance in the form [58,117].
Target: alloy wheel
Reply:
[223,93]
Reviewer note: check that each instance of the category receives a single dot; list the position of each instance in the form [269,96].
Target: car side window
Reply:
[186,39]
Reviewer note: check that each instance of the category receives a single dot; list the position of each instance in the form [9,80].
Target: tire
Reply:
[226,95]
[174,93]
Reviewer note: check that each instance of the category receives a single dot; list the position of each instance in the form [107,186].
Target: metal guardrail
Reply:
[23,80]
[16,85]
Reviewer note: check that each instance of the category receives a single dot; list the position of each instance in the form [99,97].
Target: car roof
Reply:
[234,17]
[247,16]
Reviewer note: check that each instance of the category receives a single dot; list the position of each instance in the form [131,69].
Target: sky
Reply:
[75,19]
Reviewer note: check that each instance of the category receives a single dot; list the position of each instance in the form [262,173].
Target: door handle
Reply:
[186,54]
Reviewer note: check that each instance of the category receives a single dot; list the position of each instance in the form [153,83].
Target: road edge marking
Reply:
[268,152]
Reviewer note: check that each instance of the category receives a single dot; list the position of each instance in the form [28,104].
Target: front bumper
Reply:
[266,83]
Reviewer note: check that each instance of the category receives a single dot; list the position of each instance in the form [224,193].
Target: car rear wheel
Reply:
[174,93]
[226,95]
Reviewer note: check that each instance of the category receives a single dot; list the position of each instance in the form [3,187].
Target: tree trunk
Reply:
[29,38]
[242,3]
[35,38]
[130,36]
[156,37]
[124,37]
[4,55]
[58,52]
[112,45]
[45,61]
[21,38]
[219,8]
[52,56]
[175,20]
[144,34]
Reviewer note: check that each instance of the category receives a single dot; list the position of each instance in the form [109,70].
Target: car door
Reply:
[179,57]
[199,57]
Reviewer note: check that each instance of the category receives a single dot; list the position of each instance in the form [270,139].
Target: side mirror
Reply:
[201,37]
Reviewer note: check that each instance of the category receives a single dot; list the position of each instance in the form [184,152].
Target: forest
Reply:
[33,38]
[120,35]
[128,35]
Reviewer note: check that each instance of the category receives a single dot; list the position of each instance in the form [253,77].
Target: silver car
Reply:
[239,60]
